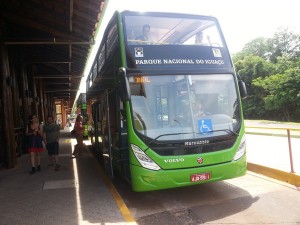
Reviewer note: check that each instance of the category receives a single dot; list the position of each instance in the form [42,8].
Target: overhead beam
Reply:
[49,42]
[63,74]
[60,90]
[41,62]
[34,24]
[56,76]
[55,83]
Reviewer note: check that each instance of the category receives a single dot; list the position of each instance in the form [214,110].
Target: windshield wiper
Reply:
[162,135]
[225,130]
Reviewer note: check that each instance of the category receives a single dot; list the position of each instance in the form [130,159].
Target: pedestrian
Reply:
[51,135]
[78,127]
[34,134]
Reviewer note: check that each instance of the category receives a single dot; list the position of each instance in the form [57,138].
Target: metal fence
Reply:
[287,132]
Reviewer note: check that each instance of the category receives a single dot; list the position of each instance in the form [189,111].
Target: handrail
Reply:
[290,151]
[274,128]
[288,129]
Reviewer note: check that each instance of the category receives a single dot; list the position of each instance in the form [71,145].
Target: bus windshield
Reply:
[164,42]
[148,29]
[187,106]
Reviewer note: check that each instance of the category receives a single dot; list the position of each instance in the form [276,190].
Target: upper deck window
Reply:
[146,29]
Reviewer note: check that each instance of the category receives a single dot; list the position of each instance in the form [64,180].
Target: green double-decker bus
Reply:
[166,102]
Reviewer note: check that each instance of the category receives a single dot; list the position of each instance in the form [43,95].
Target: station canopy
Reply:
[53,38]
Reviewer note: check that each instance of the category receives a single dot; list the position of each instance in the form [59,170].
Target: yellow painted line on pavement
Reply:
[121,204]
[290,178]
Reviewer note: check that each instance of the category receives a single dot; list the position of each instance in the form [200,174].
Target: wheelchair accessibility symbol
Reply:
[205,126]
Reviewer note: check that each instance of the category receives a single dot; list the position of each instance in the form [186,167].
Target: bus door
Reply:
[96,113]
[106,137]
[115,144]
[117,135]
[119,138]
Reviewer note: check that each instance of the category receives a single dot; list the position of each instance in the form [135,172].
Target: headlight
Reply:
[241,150]
[144,160]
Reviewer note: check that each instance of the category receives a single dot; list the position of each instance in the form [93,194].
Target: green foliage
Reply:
[271,70]
[252,67]
[258,47]
[253,108]
[281,94]
[285,43]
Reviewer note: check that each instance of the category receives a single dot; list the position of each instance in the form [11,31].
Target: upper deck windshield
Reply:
[146,29]
[180,107]
[166,40]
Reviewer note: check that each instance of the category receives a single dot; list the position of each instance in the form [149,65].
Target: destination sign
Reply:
[177,56]
[141,79]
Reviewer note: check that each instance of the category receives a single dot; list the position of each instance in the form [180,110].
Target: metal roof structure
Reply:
[54,37]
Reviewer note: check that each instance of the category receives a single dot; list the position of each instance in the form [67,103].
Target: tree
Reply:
[281,94]
[270,68]
[257,47]
[251,67]
[284,43]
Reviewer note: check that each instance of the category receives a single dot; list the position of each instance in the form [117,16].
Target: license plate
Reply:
[200,177]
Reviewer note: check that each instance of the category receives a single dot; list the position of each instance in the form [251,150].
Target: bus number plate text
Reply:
[200,177]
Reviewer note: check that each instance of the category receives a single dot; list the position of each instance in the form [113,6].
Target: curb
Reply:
[271,134]
[290,178]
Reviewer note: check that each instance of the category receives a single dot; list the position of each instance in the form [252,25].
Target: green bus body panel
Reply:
[177,174]
[148,180]
[122,48]
[188,161]
[132,137]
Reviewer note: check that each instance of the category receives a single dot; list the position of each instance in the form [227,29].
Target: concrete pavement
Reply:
[79,193]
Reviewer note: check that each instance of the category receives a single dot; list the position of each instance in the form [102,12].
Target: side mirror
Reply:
[242,88]
[123,114]
[124,88]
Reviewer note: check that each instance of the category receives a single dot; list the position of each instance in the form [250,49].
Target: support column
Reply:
[10,157]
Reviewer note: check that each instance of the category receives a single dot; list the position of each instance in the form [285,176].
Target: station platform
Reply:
[79,193]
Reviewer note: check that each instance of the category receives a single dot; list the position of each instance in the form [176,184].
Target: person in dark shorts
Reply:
[51,133]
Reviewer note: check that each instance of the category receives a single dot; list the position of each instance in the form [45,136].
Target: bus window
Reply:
[171,102]
[169,30]
[207,37]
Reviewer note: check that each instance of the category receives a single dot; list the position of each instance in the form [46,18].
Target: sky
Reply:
[241,20]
